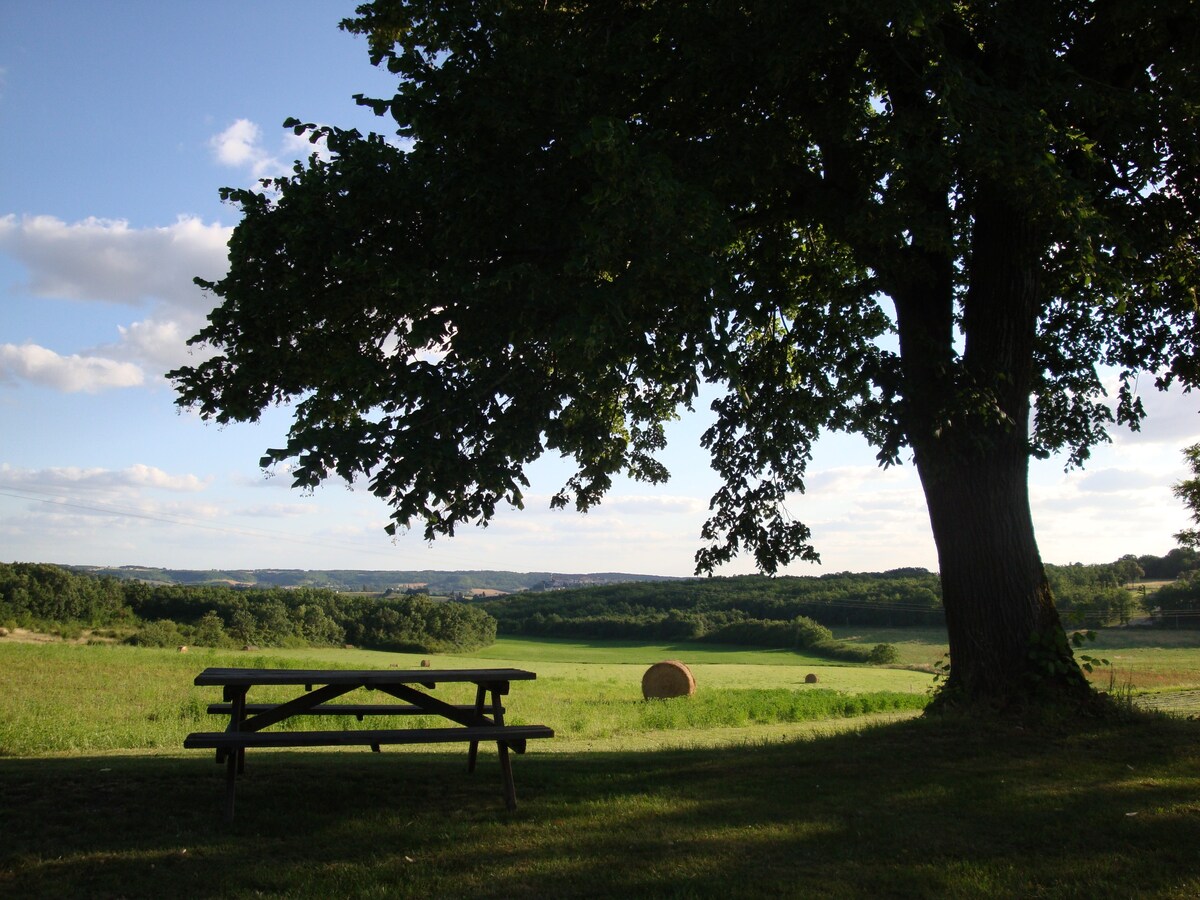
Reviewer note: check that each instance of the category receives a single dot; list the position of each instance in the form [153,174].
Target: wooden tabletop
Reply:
[358,676]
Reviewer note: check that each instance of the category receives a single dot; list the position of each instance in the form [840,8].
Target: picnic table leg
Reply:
[231,766]
[510,789]
[237,715]
[473,749]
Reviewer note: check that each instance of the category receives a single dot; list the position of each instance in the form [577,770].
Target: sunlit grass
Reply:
[70,698]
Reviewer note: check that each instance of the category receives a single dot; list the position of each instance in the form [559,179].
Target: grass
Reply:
[913,809]
[1142,659]
[64,698]
[748,790]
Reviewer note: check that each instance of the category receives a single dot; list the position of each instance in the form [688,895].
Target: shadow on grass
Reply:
[914,809]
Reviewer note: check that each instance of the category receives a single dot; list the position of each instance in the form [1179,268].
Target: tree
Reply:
[210,631]
[925,222]
[1188,491]
[1177,604]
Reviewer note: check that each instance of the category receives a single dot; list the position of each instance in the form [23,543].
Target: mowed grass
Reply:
[1141,659]
[913,809]
[759,786]
[64,698]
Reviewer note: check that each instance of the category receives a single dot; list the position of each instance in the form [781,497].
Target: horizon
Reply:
[111,207]
[490,571]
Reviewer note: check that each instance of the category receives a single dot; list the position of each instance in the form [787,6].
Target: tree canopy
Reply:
[934,224]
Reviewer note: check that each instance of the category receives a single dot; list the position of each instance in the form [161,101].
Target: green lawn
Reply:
[743,791]
[913,809]
[1143,659]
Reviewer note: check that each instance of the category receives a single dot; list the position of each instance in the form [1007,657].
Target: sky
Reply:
[121,122]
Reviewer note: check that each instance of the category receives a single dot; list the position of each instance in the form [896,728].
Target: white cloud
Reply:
[108,260]
[1108,481]
[237,145]
[71,374]
[651,504]
[162,343]
[240,146]
[278,511]
[1171,417]
[98,479]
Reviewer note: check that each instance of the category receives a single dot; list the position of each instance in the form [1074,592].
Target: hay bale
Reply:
[668,679]
[3,632]
[810,678]
[250,647]
[183,649]
[425,664]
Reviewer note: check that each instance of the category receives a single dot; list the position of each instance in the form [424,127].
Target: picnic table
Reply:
[482,720]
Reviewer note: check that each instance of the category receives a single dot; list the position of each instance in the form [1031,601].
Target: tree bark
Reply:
[968,423]
[1007,643]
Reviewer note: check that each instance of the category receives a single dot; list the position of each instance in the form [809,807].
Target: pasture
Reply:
[758,786]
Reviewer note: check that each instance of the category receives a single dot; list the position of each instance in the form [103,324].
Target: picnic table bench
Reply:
[482,720]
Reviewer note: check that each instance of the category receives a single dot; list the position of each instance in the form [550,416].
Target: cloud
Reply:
[1171,417]
[650,504]
[105,260]
[1115,480]
[278,511]
[108,260]
[161,343]
[841,479]
[98,479]
[240,146]
[71,374]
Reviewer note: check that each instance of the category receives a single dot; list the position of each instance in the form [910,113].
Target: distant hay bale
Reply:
[668,679]
[425,664]
[3,632]
[810,678]
[183,649]
[250,647]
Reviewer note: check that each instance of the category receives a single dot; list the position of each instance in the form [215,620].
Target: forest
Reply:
[750,610]
[48,597]
[758,610]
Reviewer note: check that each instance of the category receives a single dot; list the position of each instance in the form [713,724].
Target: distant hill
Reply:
[478,583]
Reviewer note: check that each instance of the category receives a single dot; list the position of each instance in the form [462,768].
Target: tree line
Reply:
[49,597]
[760,611]
[705,608]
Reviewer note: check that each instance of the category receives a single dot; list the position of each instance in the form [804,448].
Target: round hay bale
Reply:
[668,679]
[3,632]
[810,678]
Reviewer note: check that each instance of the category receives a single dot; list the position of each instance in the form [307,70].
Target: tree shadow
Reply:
[910,809]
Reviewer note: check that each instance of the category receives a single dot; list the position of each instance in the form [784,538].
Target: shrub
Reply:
[883,654]
[210,631]
[163,633]
[833,649]
[809,632]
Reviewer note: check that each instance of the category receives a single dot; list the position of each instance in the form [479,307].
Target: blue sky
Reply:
[121,121]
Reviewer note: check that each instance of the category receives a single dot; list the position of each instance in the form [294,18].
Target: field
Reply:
[761,785]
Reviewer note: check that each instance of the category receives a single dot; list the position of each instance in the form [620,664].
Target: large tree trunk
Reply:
[968,420]
[1007,644]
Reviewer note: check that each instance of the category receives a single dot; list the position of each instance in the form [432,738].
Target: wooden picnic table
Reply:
[482,720]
